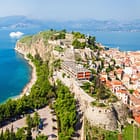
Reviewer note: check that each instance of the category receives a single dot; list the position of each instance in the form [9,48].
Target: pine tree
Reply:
[29,134]
[29,121]
[36,119]
[1,135]
[7,134]
[12,134]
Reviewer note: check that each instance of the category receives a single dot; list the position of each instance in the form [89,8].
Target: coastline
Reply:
[28,86]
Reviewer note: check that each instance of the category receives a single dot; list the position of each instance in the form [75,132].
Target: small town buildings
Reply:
[126,79]
[136,93]
[119,72]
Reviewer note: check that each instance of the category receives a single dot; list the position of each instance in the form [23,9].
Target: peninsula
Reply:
[88,87]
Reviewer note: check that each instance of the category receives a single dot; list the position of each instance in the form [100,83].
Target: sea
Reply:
[15,72]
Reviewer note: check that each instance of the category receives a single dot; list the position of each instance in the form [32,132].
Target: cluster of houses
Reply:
[124,82]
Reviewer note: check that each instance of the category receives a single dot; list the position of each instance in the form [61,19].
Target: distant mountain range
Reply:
[13,22]
[18,22]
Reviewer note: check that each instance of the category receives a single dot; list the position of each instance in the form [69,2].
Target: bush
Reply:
[63,75]
[78,45]
[59,49]
[78,35]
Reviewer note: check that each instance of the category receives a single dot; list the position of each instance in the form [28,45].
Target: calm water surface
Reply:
[14,70]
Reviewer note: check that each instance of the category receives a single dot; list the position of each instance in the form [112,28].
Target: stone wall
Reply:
[102,117]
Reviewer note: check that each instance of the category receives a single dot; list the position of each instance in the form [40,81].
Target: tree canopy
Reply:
[65,107]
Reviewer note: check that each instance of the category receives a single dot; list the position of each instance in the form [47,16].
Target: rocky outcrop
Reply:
[36,47]
[85,53]
[121,112]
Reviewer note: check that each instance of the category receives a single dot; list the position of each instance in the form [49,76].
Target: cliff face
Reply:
[37,47]
[44,43]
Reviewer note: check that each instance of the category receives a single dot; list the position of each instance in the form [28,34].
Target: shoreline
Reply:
[28,86]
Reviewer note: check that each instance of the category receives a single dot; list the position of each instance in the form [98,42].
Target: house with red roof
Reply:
[116,85]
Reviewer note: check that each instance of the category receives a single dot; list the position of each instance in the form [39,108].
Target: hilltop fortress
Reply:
[87,74]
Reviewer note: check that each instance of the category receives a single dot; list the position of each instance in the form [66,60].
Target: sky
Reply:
[72,9]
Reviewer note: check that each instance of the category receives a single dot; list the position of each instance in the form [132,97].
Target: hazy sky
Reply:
[72,9]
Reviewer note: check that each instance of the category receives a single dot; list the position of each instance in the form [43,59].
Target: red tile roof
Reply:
[137,118]
[135,100]
[136,114]
[103,79]
[123,91]
[116,83]
[136,93]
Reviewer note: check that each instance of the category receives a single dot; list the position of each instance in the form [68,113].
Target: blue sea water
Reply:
[125,41]
[15,72]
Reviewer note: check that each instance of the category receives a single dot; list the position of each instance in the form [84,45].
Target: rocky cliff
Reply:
[44,43]
[34,45]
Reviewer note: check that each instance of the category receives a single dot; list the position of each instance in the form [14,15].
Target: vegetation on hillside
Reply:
[78,45]
[39,96]
[27,40]
[90,41]
[78,35]
[59,48]
[98,90]
[45,35]
[65,108]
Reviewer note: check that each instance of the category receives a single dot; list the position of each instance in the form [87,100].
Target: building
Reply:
[122,94]
[116,85]
[76,70]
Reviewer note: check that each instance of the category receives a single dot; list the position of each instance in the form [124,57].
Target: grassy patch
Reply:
[59,48]
[27,40]
[47,35]
[131,132]
[96,103]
